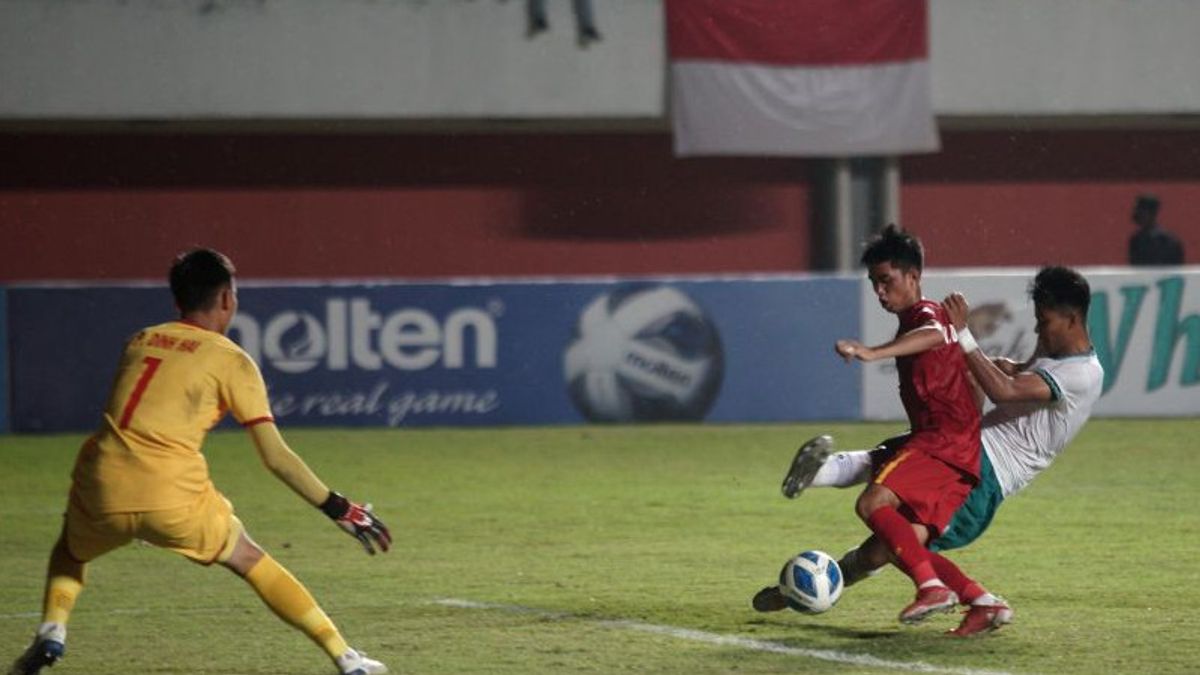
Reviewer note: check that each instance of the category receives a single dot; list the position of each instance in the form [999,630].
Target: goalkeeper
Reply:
[142,474]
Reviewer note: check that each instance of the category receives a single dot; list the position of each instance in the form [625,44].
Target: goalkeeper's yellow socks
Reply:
[64,583]
[291,602]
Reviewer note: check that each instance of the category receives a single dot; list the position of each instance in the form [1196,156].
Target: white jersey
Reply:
[1023,438]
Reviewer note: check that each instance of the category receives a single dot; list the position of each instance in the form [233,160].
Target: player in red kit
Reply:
[916,490]
[917,486]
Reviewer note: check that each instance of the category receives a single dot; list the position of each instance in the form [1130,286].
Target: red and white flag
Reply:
[800,77]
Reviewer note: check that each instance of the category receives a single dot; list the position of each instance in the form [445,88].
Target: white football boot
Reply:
[354,662]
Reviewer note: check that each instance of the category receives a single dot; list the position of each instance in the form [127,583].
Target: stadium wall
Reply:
[412,206]
[436,205]
[4,396]
[573,351]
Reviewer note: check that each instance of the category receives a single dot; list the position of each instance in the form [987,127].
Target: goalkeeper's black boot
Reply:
[41,654]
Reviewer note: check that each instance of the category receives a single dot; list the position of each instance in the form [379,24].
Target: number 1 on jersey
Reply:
[135,396]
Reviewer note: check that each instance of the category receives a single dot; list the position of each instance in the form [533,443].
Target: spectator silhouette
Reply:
[585,20]
[1151,244]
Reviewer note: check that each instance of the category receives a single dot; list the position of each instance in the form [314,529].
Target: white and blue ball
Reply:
[811,582]
[643,352]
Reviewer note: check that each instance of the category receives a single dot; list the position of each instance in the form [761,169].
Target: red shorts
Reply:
[930,490]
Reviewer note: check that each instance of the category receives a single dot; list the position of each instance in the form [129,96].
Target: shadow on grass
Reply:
[813,629]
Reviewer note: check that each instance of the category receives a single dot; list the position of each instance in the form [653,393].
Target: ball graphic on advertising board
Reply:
[644,352]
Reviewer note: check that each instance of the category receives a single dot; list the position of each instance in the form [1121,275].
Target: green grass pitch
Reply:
[617,541]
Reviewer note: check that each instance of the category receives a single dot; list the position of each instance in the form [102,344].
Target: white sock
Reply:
[844,469]
[986,599]
[52,630]
[931,583]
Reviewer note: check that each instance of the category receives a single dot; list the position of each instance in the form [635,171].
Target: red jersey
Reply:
[937,393]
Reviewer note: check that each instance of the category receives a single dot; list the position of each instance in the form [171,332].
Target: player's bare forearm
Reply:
[1008,366]
[1000,379]
[913,342]
[287,465]
[851,350]
[1001,387]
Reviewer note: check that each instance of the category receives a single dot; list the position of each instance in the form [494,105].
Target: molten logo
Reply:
[351,333]
[660,367]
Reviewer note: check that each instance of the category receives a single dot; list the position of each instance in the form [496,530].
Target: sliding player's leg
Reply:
[808,461]
[817,465]
[866,560]
[856,564]
[986,611]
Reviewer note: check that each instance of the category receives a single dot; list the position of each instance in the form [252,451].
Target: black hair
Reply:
[894,245]
[1147,202]
[197,277]
[1061,288]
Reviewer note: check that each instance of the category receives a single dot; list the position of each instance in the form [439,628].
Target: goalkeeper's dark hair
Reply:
[197,277]
[893,245]
[1061,289]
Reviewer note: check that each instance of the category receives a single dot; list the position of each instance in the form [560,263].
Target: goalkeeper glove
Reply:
[358,522]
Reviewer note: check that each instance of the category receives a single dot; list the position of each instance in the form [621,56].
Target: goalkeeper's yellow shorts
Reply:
[200,531]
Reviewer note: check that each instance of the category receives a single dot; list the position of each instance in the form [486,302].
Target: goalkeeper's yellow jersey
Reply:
[175,382]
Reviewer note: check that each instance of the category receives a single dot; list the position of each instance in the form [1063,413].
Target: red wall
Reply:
[1034,198]
[120,206]
[395,206]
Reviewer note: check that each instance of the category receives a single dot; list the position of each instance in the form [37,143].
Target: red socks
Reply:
[918,562]
[966,588]
[897,533]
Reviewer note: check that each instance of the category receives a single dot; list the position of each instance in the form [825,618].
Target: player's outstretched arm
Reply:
[914,341]
[357,520]
[999,386]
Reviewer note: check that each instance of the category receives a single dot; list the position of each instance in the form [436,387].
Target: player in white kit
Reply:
[1040,406]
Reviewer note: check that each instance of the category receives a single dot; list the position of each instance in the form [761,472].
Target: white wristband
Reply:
[967,341]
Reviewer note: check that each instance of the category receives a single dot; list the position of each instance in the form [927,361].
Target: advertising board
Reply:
[1145,326]
[467,354]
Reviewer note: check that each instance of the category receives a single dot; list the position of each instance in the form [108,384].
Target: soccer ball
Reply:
[811,582]
[643,352]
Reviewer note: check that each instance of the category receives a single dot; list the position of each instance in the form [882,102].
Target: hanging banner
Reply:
[812,78]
